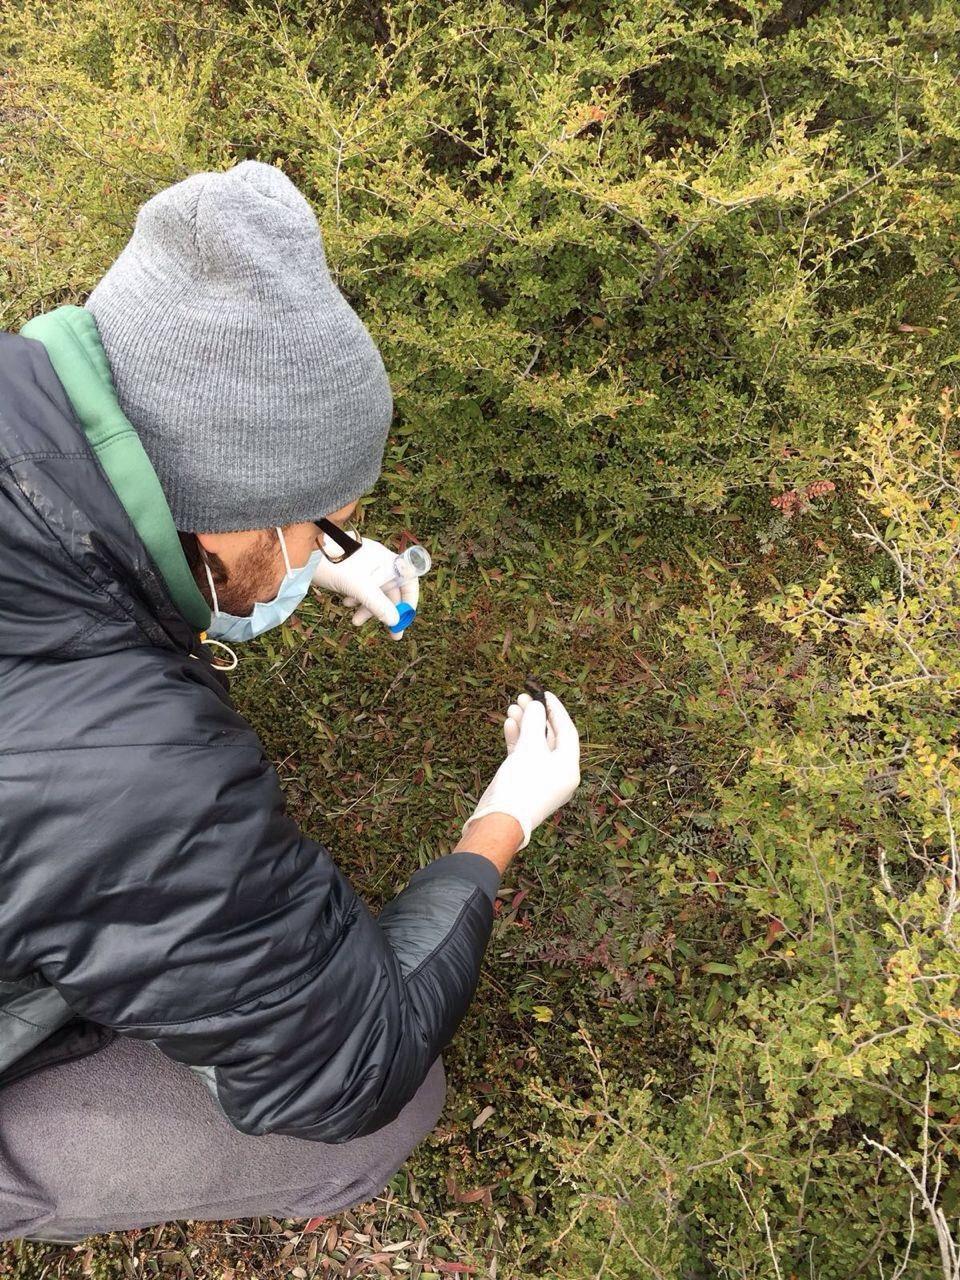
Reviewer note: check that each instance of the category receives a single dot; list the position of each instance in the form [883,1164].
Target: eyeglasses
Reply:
[348,542]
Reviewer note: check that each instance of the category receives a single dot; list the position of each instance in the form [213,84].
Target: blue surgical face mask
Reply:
[266,614]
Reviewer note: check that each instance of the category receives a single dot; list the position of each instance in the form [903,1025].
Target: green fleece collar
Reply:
[72,342]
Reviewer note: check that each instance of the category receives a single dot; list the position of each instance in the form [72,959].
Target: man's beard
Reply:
[254,578]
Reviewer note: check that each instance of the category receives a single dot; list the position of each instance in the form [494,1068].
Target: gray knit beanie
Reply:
[256,390]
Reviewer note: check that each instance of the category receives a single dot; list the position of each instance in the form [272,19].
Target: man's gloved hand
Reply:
[542,769]
[367,578]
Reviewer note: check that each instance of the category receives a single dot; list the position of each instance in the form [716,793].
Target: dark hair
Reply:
[191,549]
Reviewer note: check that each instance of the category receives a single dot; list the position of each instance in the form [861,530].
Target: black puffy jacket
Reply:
[151,882]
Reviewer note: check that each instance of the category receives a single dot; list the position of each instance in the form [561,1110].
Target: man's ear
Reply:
[344,514]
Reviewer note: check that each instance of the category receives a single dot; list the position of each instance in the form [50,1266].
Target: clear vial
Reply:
[412,563]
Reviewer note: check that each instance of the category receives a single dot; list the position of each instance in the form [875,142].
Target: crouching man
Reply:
[199,1018]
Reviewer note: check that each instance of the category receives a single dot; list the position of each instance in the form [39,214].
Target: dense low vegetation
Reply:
[669,298]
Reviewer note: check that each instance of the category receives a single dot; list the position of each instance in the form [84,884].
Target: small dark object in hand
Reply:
[535,689]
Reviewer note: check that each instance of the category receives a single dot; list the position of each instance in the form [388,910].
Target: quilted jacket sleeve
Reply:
[192,912]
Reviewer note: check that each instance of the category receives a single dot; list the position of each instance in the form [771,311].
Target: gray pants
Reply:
[128,1138]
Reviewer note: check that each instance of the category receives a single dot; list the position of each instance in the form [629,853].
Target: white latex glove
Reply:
[368,579]
[542,768]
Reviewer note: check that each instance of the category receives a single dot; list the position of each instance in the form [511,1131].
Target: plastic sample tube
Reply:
[412,563]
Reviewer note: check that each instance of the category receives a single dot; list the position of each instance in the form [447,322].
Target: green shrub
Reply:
[614,258]
[818,1135]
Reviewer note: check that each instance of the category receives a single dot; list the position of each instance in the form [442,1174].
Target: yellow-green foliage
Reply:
[820,1129]
[622,254]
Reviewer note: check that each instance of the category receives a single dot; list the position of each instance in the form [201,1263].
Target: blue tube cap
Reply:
[407,614]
